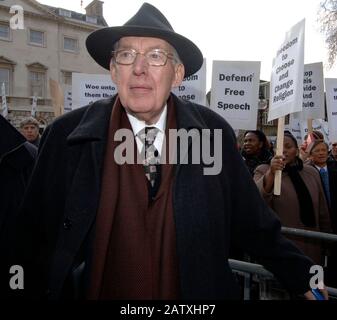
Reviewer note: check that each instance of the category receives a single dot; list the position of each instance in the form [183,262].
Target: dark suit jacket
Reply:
[211,212]
[332,171]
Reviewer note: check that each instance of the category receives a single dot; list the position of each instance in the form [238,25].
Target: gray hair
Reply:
[29,120]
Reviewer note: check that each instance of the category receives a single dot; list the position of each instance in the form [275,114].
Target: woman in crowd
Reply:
[301,203]
[256,149]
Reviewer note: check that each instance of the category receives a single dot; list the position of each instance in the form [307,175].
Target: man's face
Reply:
[319,154]
[144,89]
[30,132]
[334,149]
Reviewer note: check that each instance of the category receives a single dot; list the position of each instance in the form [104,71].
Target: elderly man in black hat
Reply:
[105,230]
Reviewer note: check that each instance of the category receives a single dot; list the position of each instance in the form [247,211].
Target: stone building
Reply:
[49,45]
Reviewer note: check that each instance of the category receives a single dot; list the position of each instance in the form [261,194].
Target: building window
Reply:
[37,80]
[70,44]
[36,37]
[64,13]
[91,19]
[67,77]
[4,31]
[5,78]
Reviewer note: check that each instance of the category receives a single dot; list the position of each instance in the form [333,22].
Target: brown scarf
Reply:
[134,250]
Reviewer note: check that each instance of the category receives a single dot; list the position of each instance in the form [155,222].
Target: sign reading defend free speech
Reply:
[235,90]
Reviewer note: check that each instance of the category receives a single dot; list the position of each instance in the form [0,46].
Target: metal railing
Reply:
[248,269]
[329,237]
[263,274]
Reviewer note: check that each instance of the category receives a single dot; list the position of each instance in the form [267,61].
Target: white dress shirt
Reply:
[138,125]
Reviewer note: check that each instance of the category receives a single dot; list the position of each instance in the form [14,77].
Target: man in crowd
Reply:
[29,127]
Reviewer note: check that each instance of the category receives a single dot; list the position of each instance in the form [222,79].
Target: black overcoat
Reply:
[211,211]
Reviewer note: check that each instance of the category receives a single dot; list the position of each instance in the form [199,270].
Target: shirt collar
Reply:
[138,125]
[319,168]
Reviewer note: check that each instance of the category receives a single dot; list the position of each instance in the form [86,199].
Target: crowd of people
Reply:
[89,228]
[308,198]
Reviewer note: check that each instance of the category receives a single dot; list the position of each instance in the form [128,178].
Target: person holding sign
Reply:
[110,230]
[301,203]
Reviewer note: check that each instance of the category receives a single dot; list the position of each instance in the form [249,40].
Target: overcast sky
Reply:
[238,30]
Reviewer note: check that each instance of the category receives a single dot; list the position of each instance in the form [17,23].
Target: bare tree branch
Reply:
[328,25]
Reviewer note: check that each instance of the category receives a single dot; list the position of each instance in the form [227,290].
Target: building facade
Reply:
[51,45]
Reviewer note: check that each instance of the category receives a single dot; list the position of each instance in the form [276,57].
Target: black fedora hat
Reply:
[147,22]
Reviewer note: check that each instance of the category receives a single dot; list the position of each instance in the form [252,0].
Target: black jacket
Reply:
[211,211]
[17,158]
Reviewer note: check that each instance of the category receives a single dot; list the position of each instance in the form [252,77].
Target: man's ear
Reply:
[178,75]
[113,73]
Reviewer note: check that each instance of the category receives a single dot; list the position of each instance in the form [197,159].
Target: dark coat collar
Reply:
[94,123]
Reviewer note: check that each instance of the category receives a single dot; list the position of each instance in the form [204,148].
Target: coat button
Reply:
[67,224]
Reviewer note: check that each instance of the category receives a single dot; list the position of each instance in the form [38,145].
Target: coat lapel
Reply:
[188,118]
[86,148]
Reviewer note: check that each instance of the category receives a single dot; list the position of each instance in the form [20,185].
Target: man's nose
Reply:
[140,65]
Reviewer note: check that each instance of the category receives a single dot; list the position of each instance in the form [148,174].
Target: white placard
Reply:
[34,105]
[68,101]
[4,108]
[331,103]
[294,127]
[87,88]
[193,88]
[286,89]
[317,125]
[313,92]
[235,92]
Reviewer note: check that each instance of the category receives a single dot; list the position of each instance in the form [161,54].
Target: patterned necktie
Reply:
[325,179]
[151,155]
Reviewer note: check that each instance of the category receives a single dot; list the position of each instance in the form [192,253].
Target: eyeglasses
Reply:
[334,144]
[154,57]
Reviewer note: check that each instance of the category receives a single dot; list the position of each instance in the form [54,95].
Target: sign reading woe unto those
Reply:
[193,88]
[286,88]
[235,90]
[313,92]
[331,103]
[88,88]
